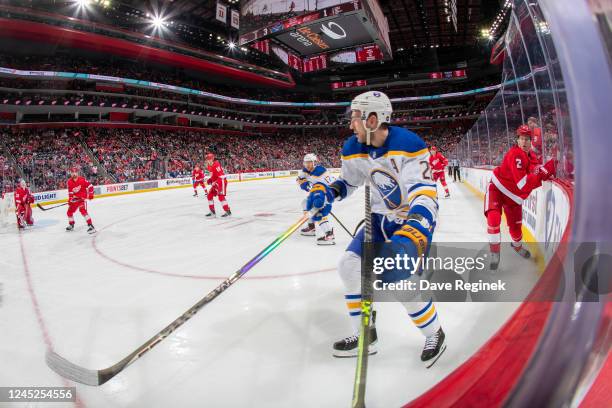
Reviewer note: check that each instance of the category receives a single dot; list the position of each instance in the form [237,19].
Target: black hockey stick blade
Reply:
[50,208]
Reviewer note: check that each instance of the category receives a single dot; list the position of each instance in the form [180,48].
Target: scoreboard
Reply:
[309,27]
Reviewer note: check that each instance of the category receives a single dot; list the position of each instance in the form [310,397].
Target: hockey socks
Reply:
[353,303]
[424,316]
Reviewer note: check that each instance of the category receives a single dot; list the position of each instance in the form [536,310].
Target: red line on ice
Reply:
[188,276]
[39,317]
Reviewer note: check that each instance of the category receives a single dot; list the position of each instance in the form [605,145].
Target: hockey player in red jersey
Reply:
[511,183]
[198,180]
[438,162]
[218,186]
[79,191]
[23,205]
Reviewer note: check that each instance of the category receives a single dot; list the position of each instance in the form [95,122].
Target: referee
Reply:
[454,165]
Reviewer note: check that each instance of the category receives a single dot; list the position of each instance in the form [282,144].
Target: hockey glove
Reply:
[320,196]
[547,171]
[320,199]
[304,184]
[411,243]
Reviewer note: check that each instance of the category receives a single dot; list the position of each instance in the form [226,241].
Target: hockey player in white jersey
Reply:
[404,212]
[320,224]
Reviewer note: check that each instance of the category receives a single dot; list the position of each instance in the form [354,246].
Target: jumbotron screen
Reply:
[311,27]
[256,14]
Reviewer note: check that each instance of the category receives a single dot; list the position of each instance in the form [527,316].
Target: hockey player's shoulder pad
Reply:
[403,142]
[318,171]
[352,149]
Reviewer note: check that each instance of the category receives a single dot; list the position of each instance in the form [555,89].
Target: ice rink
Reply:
[265,342]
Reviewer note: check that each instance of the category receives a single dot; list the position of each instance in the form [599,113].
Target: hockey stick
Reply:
[359,387]
[342,225]
[358,226]
[97,377]
[50,208]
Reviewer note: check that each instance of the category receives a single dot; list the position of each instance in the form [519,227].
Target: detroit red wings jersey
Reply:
[79,189]
[23,196]
[515,178]
[197,175]
[437,162]
[216,172]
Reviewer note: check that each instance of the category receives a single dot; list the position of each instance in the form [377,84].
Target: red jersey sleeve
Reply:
[30,196]
[90,189]
[19,197]
[70,185]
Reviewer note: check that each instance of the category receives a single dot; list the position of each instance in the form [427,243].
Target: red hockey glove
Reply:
[551,166]
[547,171]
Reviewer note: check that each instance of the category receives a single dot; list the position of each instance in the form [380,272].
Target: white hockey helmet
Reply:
[22,183]
[310,157]
[373,102]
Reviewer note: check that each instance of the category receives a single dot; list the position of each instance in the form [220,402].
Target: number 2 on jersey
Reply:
[426,170]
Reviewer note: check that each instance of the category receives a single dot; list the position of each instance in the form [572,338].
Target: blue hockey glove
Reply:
[320,195]
[411,242]
[320,198]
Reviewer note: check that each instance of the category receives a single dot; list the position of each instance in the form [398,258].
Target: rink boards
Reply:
[109,190]
[545,212]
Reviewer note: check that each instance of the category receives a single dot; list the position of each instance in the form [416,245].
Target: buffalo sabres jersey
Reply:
[318,175]
[398,173]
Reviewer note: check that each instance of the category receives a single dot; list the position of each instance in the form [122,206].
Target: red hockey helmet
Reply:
[524,130]
[74,169]
[210,157]
[433,148]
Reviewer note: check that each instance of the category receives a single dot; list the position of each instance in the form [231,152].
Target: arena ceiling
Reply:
[422,32]
[412,23]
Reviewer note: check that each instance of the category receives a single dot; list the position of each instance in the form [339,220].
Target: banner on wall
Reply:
[235,19]
[221,13]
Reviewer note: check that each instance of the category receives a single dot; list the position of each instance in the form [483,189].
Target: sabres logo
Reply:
[388,187]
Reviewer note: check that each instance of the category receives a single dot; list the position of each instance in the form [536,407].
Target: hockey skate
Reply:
[327,239]
[349,346]
[494,262]
[447,195]
[524,252]
[434,347]
[308,231]
[70,227]
[226,214]
[211,214]
[195,194]
[91,229]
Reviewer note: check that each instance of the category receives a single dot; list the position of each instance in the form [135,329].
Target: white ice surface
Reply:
[265,342]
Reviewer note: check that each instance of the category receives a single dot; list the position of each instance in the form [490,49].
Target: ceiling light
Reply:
[158,21]
[82,4]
